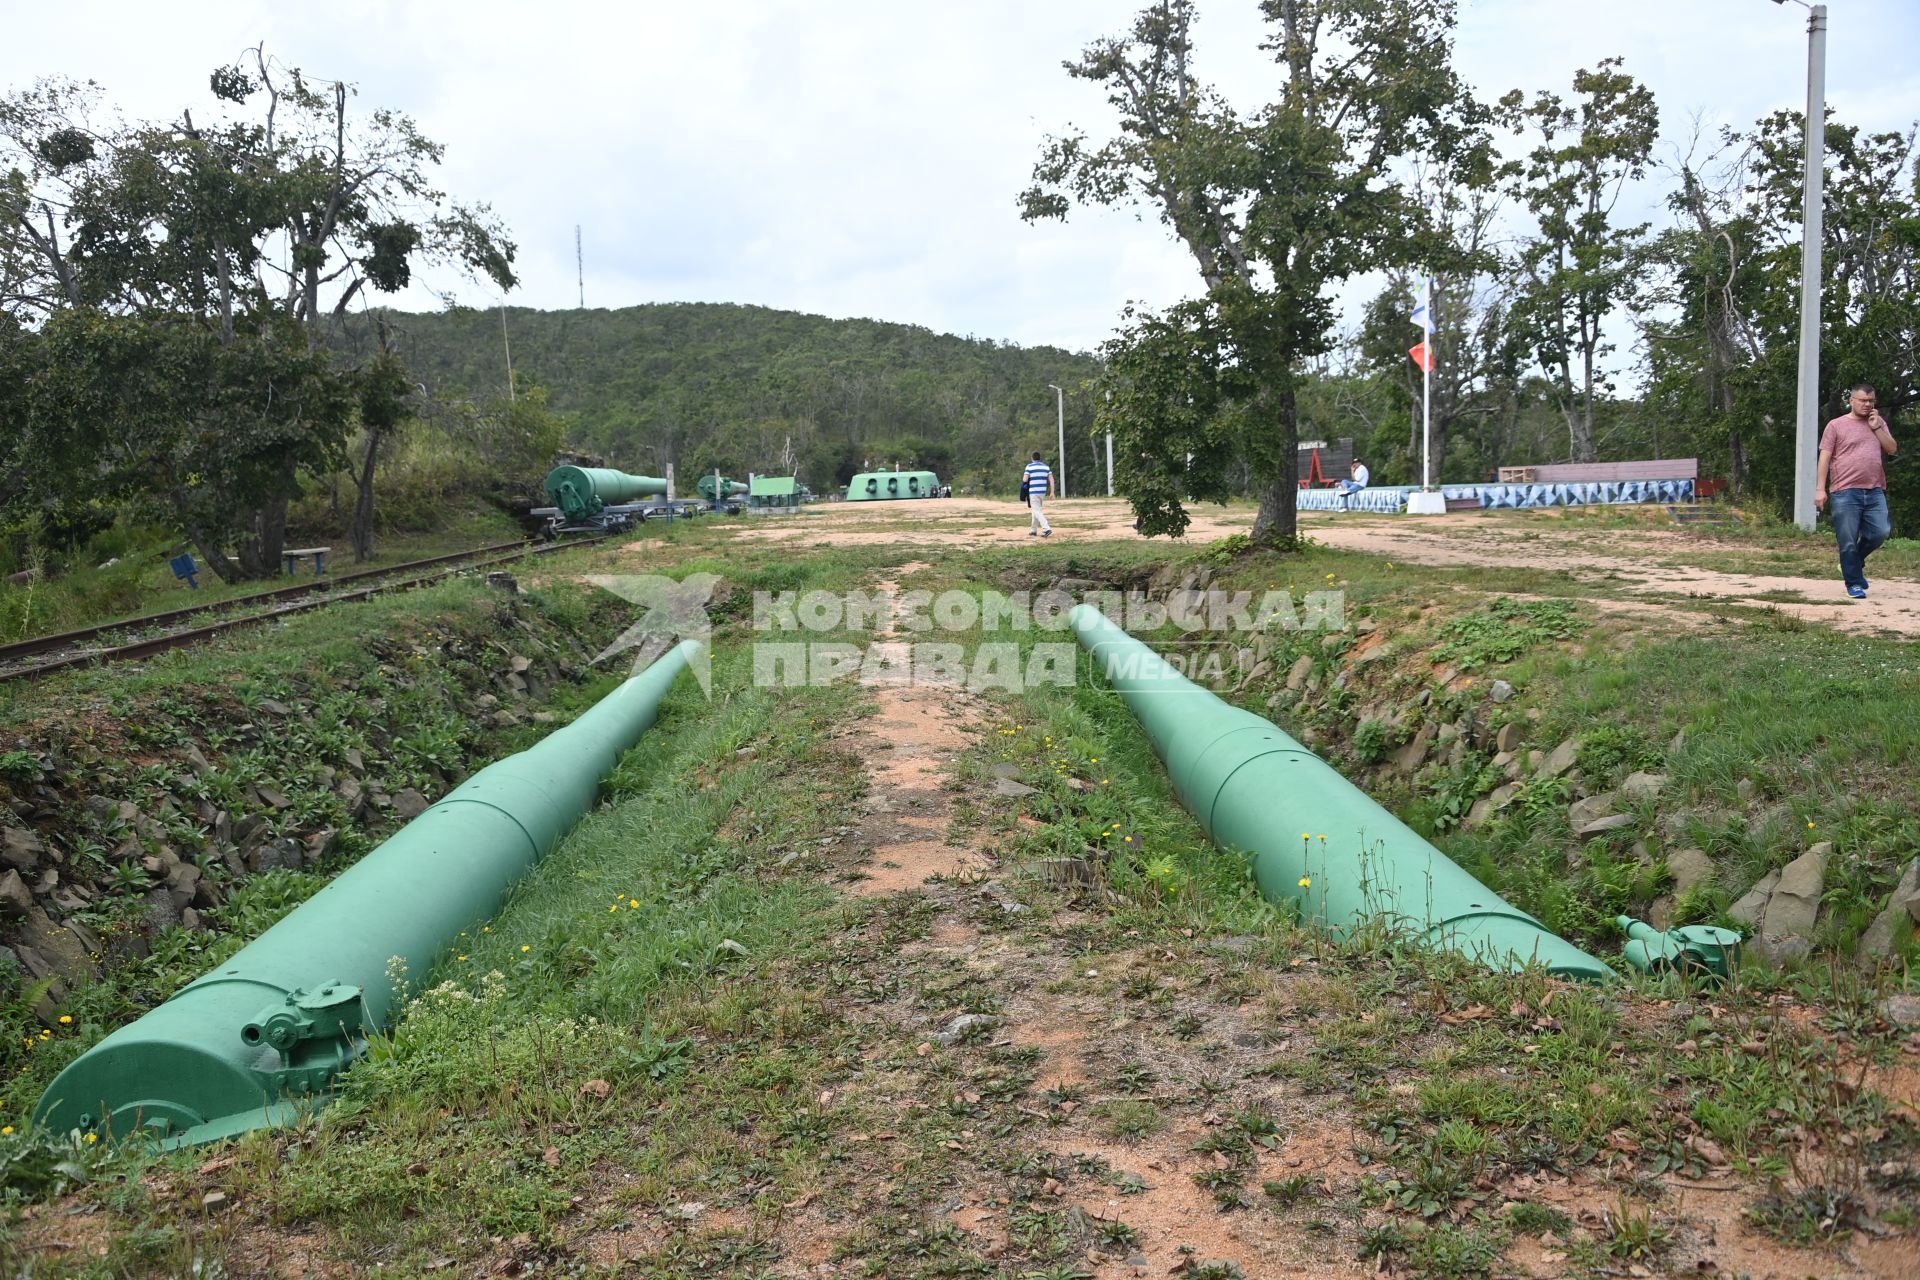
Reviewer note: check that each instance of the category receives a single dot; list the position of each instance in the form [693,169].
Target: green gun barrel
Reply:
[1315,838]
[253,1042]
[583,492]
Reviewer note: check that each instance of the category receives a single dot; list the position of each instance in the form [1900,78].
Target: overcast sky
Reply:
[860,157]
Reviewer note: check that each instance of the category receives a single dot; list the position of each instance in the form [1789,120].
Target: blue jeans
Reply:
[1861,523]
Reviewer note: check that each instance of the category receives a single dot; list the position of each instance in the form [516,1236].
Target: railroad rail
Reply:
[325,593]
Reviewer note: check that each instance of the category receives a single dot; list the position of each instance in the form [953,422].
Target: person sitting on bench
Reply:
[1360,477]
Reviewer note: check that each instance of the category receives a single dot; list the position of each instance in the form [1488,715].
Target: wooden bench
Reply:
[294,555]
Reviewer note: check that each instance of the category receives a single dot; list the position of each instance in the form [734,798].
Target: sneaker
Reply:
[1032,533]
[1047,534]
[1858,593]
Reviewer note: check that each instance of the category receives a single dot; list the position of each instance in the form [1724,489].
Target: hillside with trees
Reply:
[705,385]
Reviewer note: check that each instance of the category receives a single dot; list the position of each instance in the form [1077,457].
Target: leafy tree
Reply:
[1579,267]
[1724,351]
[166,415]
[1274,207]
[260,224]
[386,396]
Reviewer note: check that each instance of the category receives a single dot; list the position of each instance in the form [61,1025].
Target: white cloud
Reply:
[853,157]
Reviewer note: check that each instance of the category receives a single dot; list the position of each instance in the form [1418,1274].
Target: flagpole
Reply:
[1426,419]
[1426,502]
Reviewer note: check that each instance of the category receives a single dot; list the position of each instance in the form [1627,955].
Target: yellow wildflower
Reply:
[1306,882]
[66,1019]
[526,948]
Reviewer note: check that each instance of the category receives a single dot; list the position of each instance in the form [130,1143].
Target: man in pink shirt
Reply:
[1853,475]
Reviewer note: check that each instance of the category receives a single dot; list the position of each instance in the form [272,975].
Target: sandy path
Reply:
[1628,559]
[1632,560]
[959,522]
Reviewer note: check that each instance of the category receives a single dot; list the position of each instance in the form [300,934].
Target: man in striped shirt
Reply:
[1037,484]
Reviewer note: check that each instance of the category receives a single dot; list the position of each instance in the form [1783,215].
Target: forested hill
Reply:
[707,385]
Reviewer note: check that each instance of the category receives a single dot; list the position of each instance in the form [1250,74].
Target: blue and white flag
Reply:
[1423,303]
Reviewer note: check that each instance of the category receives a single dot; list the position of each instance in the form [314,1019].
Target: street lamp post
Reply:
[1061,399]
[1807,410]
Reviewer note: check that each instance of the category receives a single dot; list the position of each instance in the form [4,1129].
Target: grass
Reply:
[141,583]
[678,1038]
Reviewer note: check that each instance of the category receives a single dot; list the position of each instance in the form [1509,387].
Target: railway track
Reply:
[74,648]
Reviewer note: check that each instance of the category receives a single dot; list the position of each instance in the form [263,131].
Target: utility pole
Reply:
[1109,464]
[1061,400]
[508,348]
[580,265]
[1806,434]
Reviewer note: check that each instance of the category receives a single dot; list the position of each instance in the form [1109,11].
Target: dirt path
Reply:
[966,522]
[1131,1199]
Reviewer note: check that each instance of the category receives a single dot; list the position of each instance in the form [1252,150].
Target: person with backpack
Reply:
[1036,486]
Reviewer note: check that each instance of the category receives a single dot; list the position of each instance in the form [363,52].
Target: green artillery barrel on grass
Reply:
[583,492]
[253,1043]
[1315,838]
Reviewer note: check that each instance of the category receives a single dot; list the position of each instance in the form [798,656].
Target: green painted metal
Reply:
[731,487]
[1316,839]
[1699,949]
[581,492]
[257,1041]
[879,486]
[776,491]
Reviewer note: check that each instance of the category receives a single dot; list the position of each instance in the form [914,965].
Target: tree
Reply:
[1578,269]
[1274,207]
[261,224]
[163,413]
[1725,352]
[385,395]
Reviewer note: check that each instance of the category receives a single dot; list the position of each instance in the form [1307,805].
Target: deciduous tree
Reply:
[1275,206]
[1577,270]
